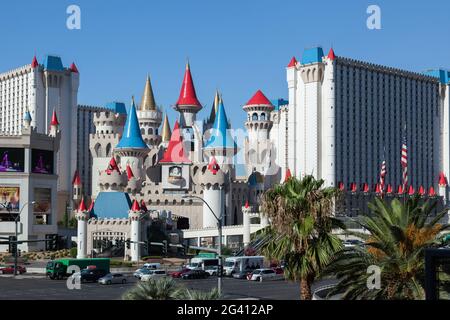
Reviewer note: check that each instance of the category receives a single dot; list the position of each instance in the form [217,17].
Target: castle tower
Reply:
[131,148]
[187,104]
[258,126]
[213,184]
[443,186]
[82,216]
[135,215]
[76,189]
[166,133]
[54,125]
[108,131]
[149,117]
[27,120]
[134,185]
[221,144]
[112,179]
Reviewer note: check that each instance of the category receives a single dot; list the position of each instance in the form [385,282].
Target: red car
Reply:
[278,270]
[179,273]
[10,269]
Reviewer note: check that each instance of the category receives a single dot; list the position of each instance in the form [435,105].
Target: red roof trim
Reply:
[34,63]
[82,206]
[54,121]
[258,99]
[73,68]
[135,206]
[331,54]
[292,63]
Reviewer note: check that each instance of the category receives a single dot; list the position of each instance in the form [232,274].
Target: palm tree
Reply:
[301,228]
[397,235]
[186,294]
[154,289]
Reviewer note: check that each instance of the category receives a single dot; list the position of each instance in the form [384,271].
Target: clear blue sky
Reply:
[236,46]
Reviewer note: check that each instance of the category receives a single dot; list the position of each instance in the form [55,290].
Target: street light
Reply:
[219,227]
[7,206]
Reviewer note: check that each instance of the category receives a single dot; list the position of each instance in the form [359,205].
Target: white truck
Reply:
[242,264]
[200,263]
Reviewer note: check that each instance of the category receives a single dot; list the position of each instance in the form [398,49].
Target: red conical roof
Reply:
[34,63]
[442,180]
[411,190]
[400,189]
[287,175]
[175,151]
[258,99]
[246,204]
[331,55]
[82,206]
[73,68]
[377,188]
[143,206]
[188,97]
[341,186]
[292,63]
[54,121]
[112,166]
[365,187]
[76,181]
[91,206]
[389,188]
[129,172]
[213,166]
[431,192]
[135,206]
[353,187]
[421,190]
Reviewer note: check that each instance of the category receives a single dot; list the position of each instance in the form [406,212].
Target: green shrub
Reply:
[73,252]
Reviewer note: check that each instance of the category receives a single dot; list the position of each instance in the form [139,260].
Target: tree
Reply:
[186,294]
[397,235]
[154,289]
[301,228]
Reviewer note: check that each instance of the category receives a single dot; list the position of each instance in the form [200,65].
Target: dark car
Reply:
[242,274]
[195,274]
[10,269]
[179,273]
[92,275]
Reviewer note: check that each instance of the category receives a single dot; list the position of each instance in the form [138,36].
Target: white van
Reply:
[199,263]
[152,266]
[242,264]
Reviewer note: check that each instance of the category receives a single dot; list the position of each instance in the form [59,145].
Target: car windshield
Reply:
[229,263]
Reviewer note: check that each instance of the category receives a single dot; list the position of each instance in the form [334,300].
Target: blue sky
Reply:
[235,46]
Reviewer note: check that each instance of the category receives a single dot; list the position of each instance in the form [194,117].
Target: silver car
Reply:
[153,275]
[111,278]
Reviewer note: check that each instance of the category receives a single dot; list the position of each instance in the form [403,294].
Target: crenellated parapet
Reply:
[113,181]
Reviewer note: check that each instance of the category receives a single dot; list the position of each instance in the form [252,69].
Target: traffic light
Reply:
[164,248]
[128,244]
[220,271]
[12,244]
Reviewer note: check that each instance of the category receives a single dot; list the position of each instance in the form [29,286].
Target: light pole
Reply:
[219,251]
[7,206]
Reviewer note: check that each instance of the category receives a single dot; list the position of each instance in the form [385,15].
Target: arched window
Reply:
[156,131]
[263,117]
[255,117]
[150,131]
[108,150]
[142,131]
[98,150]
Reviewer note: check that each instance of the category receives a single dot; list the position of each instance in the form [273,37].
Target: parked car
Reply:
[265,274]
[111,278]
[153,274]
[179,273]
[278,270]
[90,275]
[195,274]
[352,243]
[153,265]
[242,274]
[212,270]
[140,272]
[9,269]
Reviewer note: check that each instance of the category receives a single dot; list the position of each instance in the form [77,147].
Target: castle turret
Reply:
[187,104]
[54,125]
[76,188]
[82,216]
[213,184]
[135,215]
[112,179]
[27,120]
[131,148]
[221,144]
[212,116]
[443,186]
[149,117]
[258,125]
[134,185]
[166,133]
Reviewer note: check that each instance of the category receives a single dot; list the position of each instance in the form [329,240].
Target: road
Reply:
[39,288]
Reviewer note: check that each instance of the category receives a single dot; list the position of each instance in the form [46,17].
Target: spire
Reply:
[129,172]
[175,151]
[411,190]
[213,166]
[377,188]
[27,116]
[258,99]
[76,181]
[91,207]
[292,63]
[331,55]
[135,207]
[82,206]
[73,68]
[421,190]
[112,166]
[148,99]
[353,187]
[389,188]
[34,63]
[166,132]
[132,137]
[215,107]
[220,133]
[365,187]
[188,97]
[442,180]
[287,175]
[54,121]
[431,192]
[400,189]
[246,204]
[143,206]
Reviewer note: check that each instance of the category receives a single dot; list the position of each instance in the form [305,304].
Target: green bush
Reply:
[73,252]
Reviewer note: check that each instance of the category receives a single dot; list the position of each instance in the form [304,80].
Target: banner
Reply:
[10,196]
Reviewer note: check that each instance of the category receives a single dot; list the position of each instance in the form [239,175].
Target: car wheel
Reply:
[124,281]
[108,282]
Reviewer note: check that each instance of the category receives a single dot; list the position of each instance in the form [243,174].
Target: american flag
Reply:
[404,162]
[383,172]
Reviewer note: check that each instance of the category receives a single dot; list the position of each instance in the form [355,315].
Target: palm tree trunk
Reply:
[305,289]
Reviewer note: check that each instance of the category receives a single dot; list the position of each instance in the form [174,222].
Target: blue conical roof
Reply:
[27,116]
[220,135]
[132,137]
